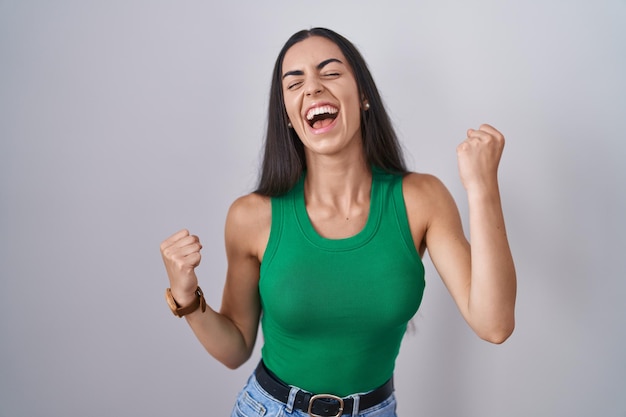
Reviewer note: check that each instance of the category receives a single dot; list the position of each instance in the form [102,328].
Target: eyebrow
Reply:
[319,67]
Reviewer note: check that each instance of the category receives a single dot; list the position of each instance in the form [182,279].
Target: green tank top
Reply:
[335,310]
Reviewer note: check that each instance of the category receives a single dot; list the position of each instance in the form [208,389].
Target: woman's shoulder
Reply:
[251,207]
[425,191]
[248,224]
[422,183]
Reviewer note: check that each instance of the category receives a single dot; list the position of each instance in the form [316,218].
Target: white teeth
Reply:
[320,110]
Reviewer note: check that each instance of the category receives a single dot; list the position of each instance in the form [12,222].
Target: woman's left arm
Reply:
[480,277]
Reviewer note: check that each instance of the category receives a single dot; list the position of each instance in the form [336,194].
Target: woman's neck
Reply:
[340,186]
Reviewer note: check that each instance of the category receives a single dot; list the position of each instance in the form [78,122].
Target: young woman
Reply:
[326,253]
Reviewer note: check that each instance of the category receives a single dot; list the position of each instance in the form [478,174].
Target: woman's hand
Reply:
[479,156]
[181,255]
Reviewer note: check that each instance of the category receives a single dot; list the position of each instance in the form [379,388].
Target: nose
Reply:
[313,87]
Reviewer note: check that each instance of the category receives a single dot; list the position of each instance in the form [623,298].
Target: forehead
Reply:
[310,52]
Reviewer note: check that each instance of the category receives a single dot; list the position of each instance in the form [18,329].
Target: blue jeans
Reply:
[254,401]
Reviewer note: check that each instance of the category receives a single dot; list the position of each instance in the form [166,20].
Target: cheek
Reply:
[353,110]
[292,108]
[352,101]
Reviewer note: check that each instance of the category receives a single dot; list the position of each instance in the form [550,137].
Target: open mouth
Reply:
[320,117]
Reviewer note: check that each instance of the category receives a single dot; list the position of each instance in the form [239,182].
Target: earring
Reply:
[289,125]
[366,105]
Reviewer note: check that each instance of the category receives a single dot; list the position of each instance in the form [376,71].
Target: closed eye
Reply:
[294,85]
[328,76]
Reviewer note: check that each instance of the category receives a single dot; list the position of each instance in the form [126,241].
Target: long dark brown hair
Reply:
[284,159]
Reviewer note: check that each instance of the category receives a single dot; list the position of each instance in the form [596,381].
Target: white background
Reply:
[124,121]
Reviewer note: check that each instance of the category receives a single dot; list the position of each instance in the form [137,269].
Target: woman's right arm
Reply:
[228,335]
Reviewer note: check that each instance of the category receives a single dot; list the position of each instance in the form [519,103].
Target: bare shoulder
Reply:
[423,189]
[427,202]
[250,208]
[248,224]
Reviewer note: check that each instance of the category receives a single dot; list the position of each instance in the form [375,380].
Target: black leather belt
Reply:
[320,405]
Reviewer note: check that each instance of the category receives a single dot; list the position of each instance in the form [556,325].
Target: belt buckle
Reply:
[329,397]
